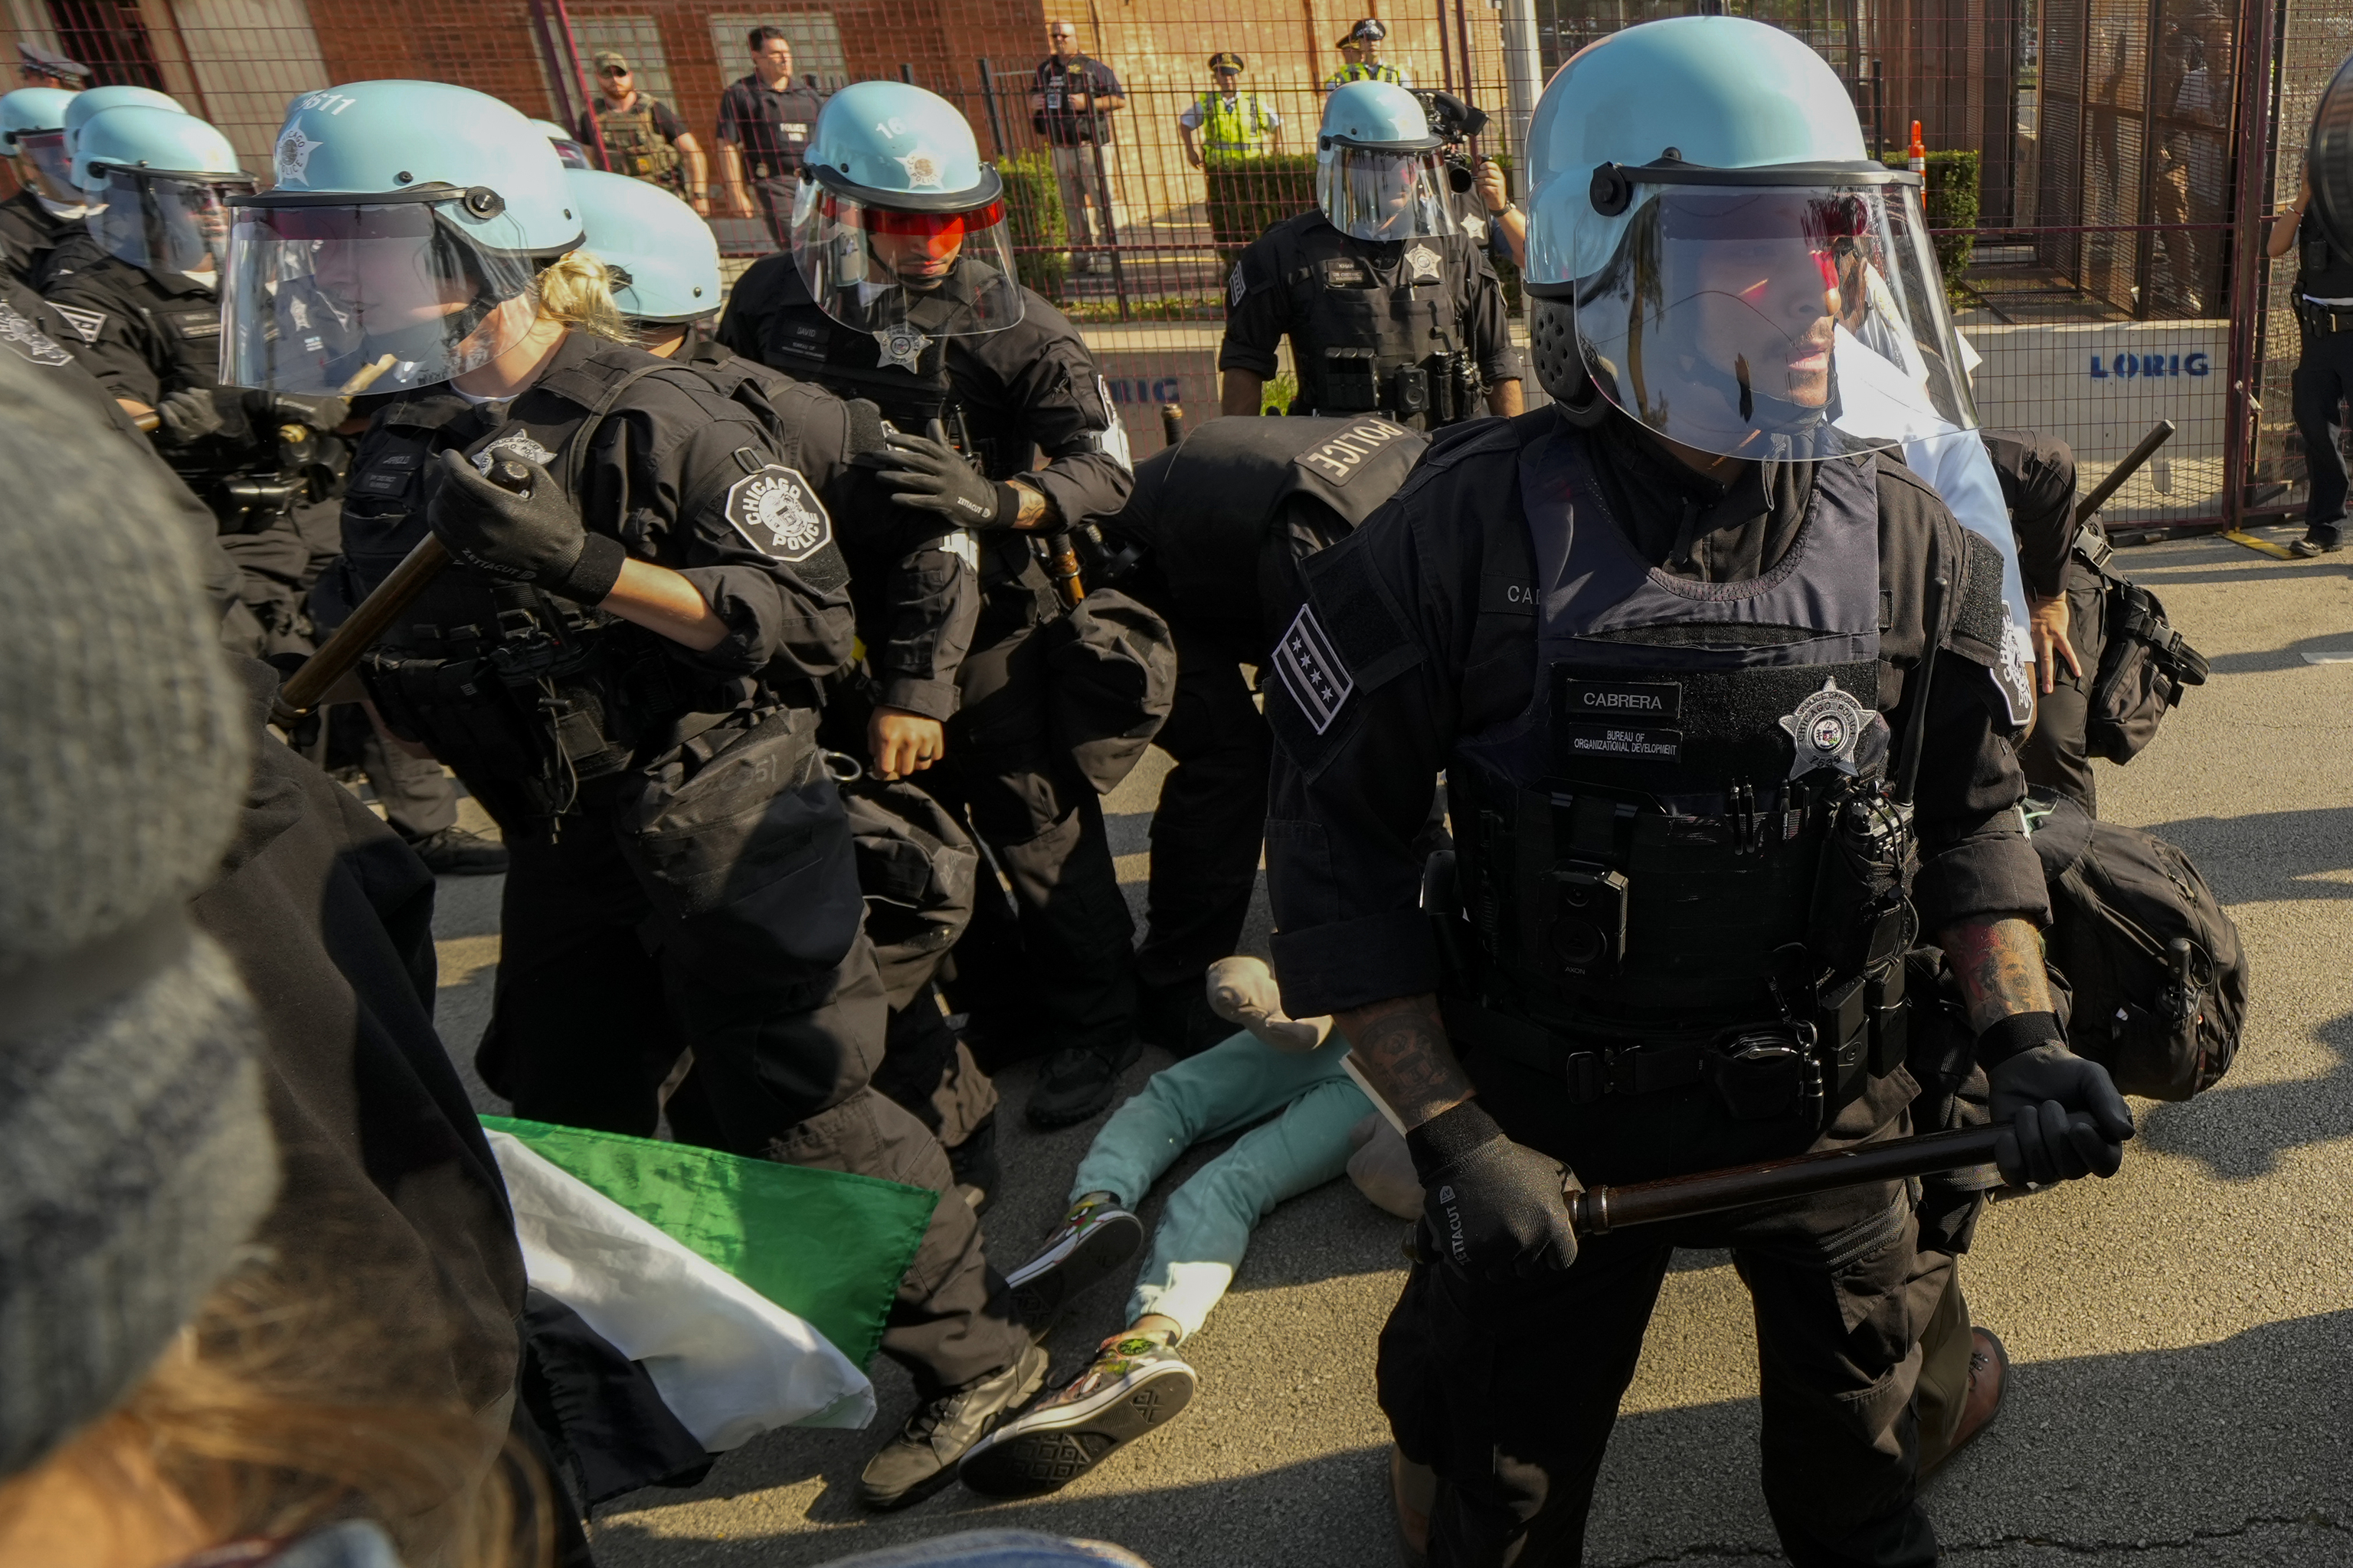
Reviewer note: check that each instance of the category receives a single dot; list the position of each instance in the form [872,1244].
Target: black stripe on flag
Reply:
[1312,671]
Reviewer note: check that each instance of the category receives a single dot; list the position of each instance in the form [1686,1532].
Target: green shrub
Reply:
[1951,200]
[1275,397]
[1033,206]
[1247,196]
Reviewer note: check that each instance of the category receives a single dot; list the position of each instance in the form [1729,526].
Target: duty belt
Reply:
[2324,318]
[1591,1069]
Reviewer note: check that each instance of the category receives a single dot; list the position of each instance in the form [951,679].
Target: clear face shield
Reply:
[165,223]
[44,155]
[1775,322]
[399,292]
[1375,193]
[891,272]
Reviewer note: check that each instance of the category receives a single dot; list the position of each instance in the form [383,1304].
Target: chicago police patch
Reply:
[29,341]
[778,515]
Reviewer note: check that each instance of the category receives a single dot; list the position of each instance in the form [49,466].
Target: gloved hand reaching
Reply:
[189,415]
[2035,1096]
[1498,1209]
[926,473]
[516,522]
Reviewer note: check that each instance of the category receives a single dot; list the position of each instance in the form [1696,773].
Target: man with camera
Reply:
[1390,308]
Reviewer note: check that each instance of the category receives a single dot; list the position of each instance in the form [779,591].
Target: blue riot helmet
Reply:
[1377,174]
[570,150]
[408,224]
[1710,241]
[158,183]
[33,132]
[660,257]
[897,227]
[86,106]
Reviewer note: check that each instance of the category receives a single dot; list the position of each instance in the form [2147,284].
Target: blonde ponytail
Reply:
[575,289]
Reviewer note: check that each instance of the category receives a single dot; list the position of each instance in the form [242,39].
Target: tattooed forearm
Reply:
[2000,966]
[1400,1048]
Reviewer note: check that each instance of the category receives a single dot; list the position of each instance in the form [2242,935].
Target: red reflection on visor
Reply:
[939,224]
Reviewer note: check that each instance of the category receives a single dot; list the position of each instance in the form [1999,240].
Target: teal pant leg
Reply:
[1230,1086]
[1206,1228]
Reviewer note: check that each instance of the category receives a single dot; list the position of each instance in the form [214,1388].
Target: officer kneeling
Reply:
[1669,641]
[1389,307]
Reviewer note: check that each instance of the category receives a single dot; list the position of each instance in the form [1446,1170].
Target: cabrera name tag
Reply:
[1624,702]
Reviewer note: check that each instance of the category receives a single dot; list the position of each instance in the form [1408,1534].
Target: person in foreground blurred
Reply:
[166,1391]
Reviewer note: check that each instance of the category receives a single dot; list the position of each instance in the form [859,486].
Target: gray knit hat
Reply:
[135,1154]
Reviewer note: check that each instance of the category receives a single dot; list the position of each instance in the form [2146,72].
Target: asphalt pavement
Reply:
[2182,1335]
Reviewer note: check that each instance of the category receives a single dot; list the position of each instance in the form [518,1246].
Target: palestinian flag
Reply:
[750,1293]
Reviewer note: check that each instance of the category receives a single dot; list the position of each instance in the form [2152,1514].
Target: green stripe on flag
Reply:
[826,1246]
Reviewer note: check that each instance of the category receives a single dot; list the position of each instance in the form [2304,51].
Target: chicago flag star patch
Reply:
[778,515]
[1312,671]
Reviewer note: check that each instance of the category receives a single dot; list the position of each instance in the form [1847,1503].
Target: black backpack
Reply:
[2143,663]
[2159,972]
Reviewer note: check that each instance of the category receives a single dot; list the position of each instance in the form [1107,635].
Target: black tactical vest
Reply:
[2322,270]
[1647,852]
[1373,329]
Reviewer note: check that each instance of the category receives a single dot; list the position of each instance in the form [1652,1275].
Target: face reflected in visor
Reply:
[314,294]
[167,223]
[880,269]
[1383,193]
[44,153]
[1732,320]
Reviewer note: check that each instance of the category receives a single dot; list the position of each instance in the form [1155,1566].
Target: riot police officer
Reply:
[901,288]
[47,207]
[1389,307]
[663,263]
[2324,369]
[1707,678]
[621,662]
[1217,525]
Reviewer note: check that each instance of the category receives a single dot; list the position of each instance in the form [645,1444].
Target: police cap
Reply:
[1226,60]
[1368,31]
[41,61]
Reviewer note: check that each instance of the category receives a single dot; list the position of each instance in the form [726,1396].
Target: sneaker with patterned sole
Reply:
[1134,1384]
[1092,1241]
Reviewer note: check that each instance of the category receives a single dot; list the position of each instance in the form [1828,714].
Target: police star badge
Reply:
[1427,265]
[923,167]
[517,444]
[292,156]
[778,515]
[902,345]
[1831,728]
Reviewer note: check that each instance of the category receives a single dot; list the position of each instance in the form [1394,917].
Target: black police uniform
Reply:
[1414,329]
[681,870]
[770,128]
[1218,522]
[2323,374]
[36,335]
[916,602]
[1011,397]
[29,232]
[1615,663]
[2037,484]
[146,334]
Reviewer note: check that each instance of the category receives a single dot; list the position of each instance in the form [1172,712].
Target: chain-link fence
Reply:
[2102,169]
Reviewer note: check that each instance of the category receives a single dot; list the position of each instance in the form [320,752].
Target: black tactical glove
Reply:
[930,475]
[189,415]
[321,413]
[1497,1209]
[518,524]
[2061,1115]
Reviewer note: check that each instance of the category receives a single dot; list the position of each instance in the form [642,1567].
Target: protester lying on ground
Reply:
[1288,1070]
[166,1388]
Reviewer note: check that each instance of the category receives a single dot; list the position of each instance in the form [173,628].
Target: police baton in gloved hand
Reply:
[305,688]
[1597,1211]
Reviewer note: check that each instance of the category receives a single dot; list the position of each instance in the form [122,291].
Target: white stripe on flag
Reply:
[728,1361]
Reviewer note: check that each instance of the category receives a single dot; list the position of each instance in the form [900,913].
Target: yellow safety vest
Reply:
[1234,126]
[1359,71]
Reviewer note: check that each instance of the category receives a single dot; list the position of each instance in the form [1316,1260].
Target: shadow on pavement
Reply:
[2238,1132]
[2266,856]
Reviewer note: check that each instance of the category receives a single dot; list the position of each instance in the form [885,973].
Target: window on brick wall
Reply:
[817,44]
[638,41]
[109,37]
